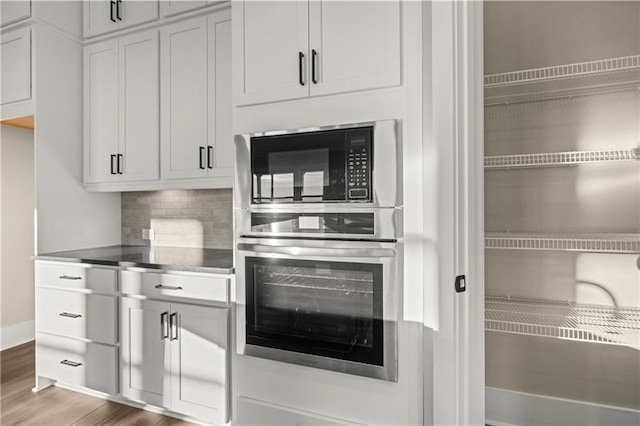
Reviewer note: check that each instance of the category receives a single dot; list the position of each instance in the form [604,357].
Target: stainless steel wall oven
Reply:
[319,260]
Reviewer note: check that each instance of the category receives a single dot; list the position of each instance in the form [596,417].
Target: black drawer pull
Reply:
[209,157]
[168,287]
[113,3]
[119,163]
[69,315]
[118,3]
[71,363]
[69,277]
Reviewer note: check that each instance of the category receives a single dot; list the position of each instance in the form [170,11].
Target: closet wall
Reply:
[563,232]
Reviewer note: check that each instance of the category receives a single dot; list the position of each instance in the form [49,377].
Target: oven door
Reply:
[335,308]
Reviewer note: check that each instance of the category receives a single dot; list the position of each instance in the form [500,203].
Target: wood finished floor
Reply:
[56,406]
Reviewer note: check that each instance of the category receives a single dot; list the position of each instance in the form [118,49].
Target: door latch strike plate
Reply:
[461,283]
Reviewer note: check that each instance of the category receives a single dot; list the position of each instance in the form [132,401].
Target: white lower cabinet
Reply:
[76,362]
[76,325]
[175,355]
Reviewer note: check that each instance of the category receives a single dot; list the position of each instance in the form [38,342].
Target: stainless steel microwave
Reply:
[343,164]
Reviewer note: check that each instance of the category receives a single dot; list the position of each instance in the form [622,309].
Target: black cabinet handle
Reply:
[71,363]
[314,55]
[118,3]
[113,157]
[119,168]
[69,277]
[202,158]
[167,287]
[173,322]
[113,3]
[209,157]
[164,325]
[300,70]
[69,315]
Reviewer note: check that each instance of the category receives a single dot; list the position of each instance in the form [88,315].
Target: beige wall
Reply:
[16,229]
[533,34]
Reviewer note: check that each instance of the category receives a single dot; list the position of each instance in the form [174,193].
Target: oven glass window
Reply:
[331,309]
[311,167]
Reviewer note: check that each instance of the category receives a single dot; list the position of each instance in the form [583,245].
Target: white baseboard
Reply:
[17,334]
[504,408]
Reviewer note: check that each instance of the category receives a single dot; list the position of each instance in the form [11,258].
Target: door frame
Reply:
[454,131]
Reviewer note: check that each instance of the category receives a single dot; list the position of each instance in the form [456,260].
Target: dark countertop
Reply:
[217,261]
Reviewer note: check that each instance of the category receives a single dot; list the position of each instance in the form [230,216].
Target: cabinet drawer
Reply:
[75,276]
[159,285]
[73,314]
[77,363]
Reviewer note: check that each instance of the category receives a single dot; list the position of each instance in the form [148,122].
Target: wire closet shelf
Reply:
[551,159]
[598,243]
[563,81]
[605,324]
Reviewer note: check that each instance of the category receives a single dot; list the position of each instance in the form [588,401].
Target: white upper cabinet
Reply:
[14,11]
[354,45]
[15,55]
[121,109]
[295,49]
[139,107]
[174,7]
[196,98]
[101,111]
[274,61]
[220,147]
[104,16]
[183,70]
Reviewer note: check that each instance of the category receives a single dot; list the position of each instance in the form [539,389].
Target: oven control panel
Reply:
[358,166]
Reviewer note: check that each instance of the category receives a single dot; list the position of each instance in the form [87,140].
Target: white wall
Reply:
[16,235]
[68,216]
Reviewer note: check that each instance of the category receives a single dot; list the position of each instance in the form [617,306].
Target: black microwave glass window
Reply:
[330,309]
[323,166]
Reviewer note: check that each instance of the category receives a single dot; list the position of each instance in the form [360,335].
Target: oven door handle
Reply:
[317,251]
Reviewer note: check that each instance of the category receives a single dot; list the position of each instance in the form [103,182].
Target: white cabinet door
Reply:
[14,11]
[104,16]
[274,40]
[220,139]
[100,17]
[183,88]
[199,362]
[174,7]
[139,106]
[15,54]
[101,111]
[135,12]
[144,337]
[356,45]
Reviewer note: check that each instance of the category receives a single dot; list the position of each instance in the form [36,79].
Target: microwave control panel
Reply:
[359,165]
